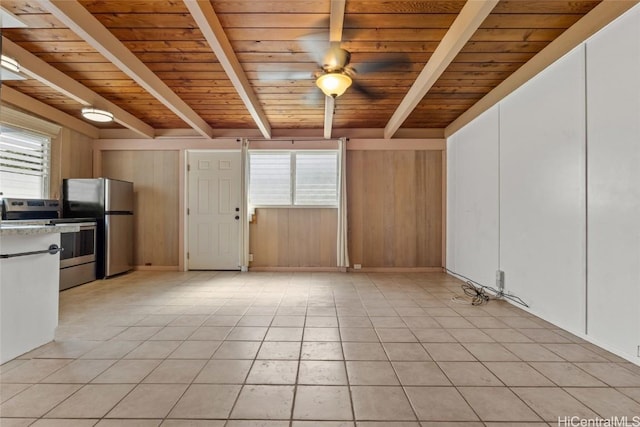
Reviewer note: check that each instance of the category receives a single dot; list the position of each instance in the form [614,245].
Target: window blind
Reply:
[270,179]
[316,179]
[293,178]
[24,163]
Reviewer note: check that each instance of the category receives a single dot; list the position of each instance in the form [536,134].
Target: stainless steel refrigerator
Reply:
[110,201]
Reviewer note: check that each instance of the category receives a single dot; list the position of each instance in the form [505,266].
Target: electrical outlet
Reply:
[500,280]
[357,266]
[250,257]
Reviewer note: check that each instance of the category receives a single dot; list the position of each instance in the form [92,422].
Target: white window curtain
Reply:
[343,249]
[244,208]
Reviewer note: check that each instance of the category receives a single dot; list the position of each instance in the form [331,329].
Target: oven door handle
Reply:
[53,249]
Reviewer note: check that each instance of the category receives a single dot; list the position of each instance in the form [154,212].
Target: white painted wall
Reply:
[568,160]
[542,192]
[613,88]
[472,197]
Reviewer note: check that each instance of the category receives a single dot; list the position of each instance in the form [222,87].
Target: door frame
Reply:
[243,229]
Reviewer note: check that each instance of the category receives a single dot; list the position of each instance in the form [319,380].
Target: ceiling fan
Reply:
[336,73]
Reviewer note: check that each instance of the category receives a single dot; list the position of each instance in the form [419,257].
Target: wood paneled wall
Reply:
[395,208]
[395,213]
[155,178]
[295,237]
[71,157]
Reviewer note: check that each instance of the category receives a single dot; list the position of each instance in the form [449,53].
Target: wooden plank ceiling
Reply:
[270,38]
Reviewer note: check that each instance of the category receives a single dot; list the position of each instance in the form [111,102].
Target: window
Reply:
[270,179]
[316,179]
[24,163]
[293,178]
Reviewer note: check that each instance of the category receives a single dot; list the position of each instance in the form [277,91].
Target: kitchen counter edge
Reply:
[13,229]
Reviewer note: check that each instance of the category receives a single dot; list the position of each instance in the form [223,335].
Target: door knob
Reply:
[237,217]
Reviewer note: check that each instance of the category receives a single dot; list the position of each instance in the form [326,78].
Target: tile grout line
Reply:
[344,364]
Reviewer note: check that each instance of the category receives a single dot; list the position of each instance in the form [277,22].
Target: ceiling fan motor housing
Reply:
[336,59]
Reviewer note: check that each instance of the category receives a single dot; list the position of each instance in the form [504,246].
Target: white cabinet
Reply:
[29,290]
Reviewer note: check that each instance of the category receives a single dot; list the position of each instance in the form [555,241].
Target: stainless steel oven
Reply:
[78,257]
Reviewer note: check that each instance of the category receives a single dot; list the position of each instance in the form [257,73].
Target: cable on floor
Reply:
[478,292]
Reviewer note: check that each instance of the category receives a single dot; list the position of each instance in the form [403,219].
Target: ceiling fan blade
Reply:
[315,45]
[314,98]
[372,67]
[398,62]
[362,90]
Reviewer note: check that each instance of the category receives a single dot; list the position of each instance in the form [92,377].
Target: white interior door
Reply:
[214,180]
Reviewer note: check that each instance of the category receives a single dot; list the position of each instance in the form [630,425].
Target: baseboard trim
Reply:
[397,270]
[299,269]
[156,268]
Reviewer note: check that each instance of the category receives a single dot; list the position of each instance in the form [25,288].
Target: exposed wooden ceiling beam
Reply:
[599,17]
[27,103]
[210,26]
[83,23]
[38,69]
[470,18]
[336,24]
[336,20]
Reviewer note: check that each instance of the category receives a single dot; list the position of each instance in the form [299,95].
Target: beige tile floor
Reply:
[305,349]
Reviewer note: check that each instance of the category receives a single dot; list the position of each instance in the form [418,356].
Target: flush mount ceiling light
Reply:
[96,115]
[333,84]
[10,69]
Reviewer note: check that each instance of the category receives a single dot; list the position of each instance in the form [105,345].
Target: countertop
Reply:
[10,222]
[7,229]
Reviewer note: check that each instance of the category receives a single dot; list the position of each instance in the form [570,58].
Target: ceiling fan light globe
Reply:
[96,115]
[333,84]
